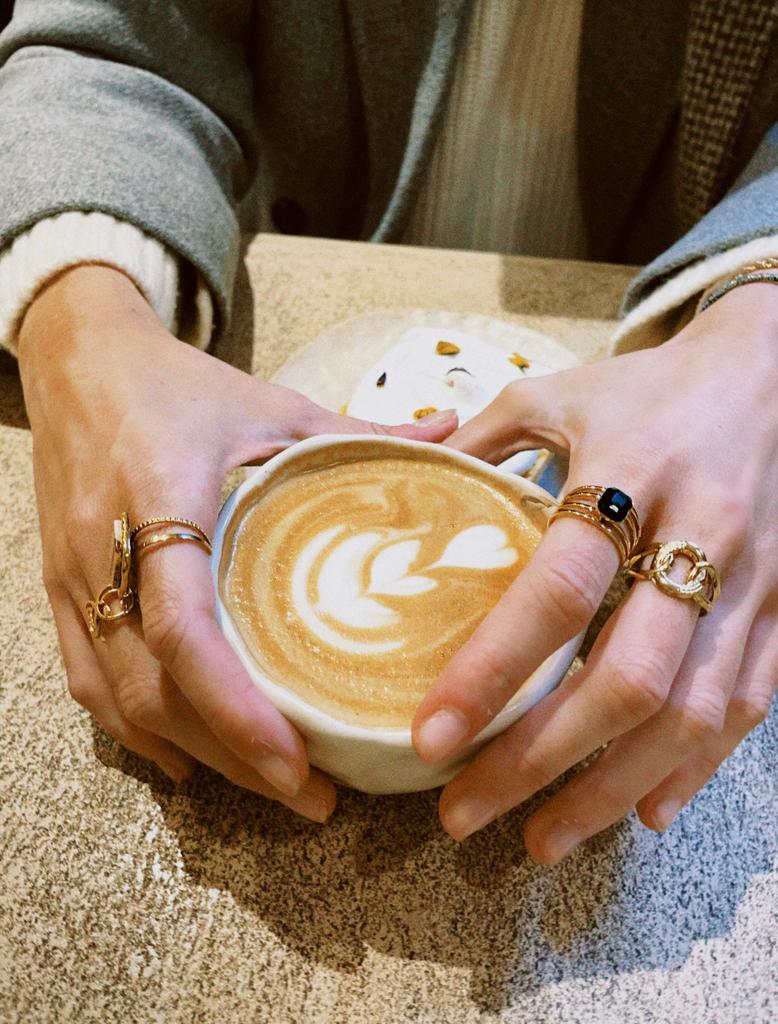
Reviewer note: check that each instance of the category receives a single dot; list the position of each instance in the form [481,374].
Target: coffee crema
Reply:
[353,574]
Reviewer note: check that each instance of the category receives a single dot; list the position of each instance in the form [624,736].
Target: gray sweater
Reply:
[156,113]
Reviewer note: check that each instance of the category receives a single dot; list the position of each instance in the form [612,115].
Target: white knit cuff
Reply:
[656,317]
[68,239]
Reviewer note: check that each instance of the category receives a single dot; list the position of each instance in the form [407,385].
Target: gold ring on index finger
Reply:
[610,510]
[164,537]
[193,533]
[168,521]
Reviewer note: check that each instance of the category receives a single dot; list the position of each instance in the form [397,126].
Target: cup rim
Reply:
[290,703]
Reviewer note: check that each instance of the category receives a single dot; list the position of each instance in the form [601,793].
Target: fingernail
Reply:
[559,840]
[441,733]
[435,418]
[279,774]
[665,812]
[313,807]
[310,806]
[468,815]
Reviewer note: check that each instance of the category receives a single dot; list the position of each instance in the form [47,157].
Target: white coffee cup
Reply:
[375,760]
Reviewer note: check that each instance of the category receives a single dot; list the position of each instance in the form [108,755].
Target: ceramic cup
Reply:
[375,760]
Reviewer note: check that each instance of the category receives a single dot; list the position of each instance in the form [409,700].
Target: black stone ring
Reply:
[607,508]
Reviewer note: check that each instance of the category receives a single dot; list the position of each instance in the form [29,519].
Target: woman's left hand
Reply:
[690,431]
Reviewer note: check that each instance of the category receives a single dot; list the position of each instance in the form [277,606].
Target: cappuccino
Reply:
[353,573]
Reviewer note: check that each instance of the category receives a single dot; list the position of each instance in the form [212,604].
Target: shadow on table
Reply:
[382,874]
[236,345]
[12,411]
[594,291]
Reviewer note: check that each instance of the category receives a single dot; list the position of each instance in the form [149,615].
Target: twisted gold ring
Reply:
[607,508]
[101,609]
[702,584]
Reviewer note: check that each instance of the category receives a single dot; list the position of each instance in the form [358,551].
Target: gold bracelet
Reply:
[768,263]
[765,270]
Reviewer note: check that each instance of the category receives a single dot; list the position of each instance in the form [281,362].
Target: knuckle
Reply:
[644,457]
[647,446]
[137,700]
[701,719]
[164,630]
[566,591]
[639,683]
[490,667]
[612,794]
[753,709]
[706,766]
[512,394]
[533,771]
[522,398]
[169,615]
[84,518]
[734,518]
[532,388]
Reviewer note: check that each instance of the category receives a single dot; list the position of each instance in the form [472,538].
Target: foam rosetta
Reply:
[353,583]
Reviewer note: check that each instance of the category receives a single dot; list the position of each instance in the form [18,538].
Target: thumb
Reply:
[435,427]
[526,414]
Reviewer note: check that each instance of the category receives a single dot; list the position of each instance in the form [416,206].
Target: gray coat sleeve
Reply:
[140,110]
[749,210]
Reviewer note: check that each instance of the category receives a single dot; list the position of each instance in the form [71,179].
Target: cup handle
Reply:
[519,464]
[539,466]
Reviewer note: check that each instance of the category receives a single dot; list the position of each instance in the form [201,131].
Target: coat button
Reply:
[288,216]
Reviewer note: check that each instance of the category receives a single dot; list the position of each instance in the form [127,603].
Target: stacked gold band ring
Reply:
[194,533]
[121,589]
[702,584]
[171,537]
[612,512]
[607,508]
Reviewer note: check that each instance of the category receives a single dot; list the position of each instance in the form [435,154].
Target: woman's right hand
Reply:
[125,417]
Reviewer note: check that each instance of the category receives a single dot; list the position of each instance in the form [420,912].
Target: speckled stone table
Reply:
[126,900]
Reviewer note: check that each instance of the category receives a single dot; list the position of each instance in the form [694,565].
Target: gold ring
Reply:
[173,520]
[100,609]
[607,508]
[702,584]
[170,537]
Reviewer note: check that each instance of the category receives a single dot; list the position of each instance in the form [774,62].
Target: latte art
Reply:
[385,562]
[353,583]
